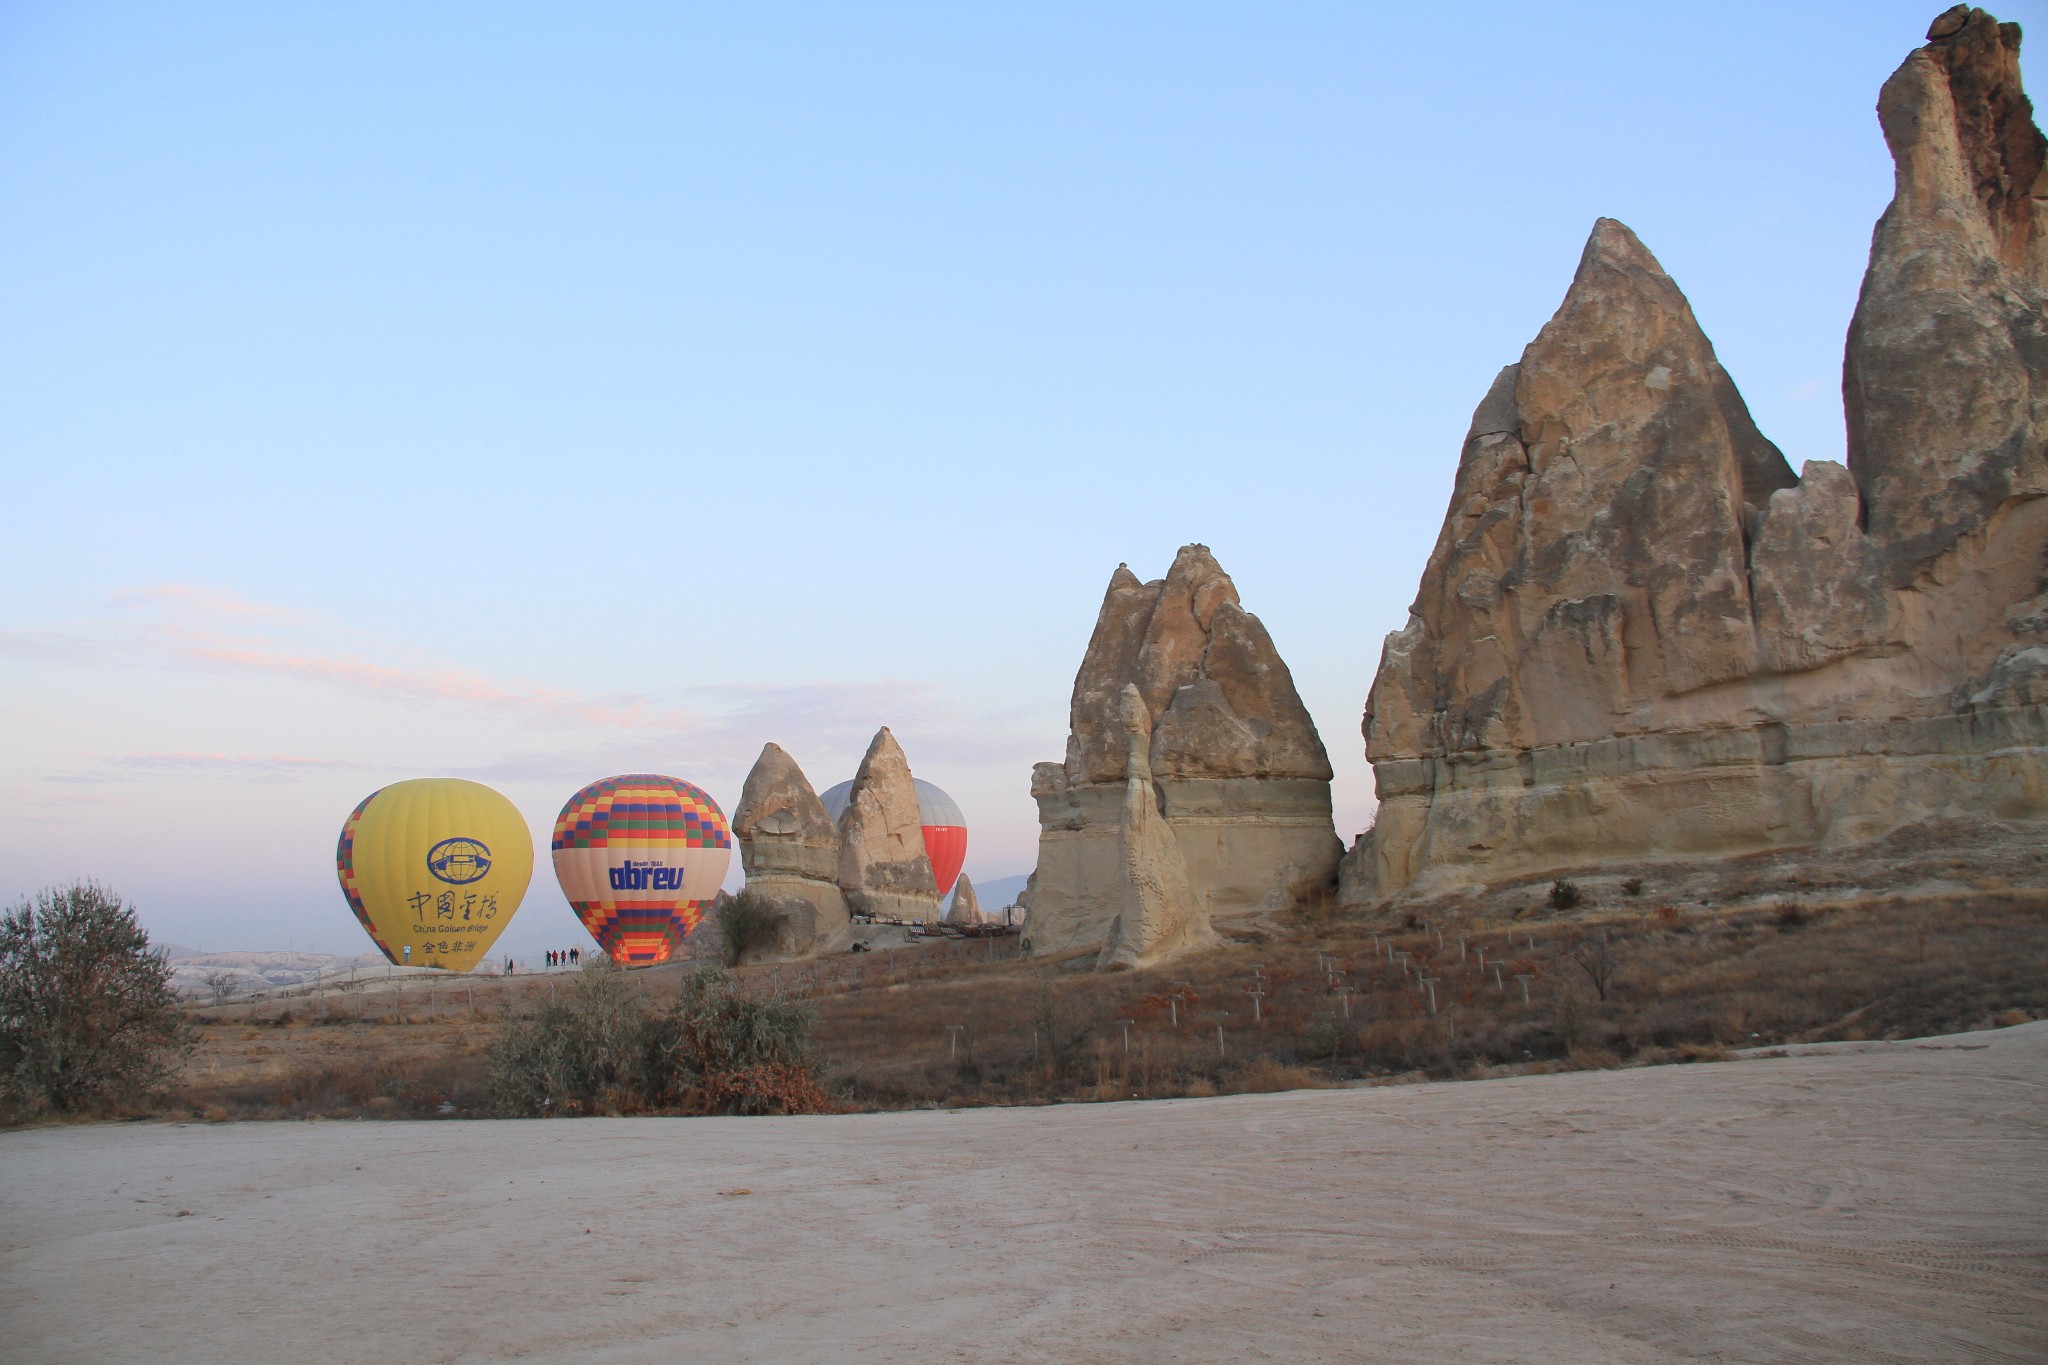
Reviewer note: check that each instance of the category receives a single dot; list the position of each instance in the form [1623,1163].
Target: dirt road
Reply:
[1862,1202]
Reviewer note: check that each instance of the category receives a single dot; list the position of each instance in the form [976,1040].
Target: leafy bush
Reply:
[88,1020]
[604,1048]
[746,924]
[719,1050]
[1565,895]
[579,1053]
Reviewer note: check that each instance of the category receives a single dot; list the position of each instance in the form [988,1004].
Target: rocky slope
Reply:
[1639,636]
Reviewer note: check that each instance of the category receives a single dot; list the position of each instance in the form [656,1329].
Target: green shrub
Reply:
[580,1053]
[88,1020]
[603,1048]
[720,1050]
[746,924]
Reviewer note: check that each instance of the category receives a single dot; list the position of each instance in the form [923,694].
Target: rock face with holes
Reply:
[884,870]
[1640,636]
[789,849]
[1239,775]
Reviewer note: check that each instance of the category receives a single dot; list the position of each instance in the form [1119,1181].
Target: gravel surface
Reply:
[1873,1202]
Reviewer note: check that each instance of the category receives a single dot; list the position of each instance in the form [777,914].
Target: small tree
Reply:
[1597,959]
[88,1019]
[747,923]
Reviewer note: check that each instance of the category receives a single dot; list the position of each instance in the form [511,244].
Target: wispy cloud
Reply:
[197,597]
[197,628]
[268,767]
[452,685]
[56,646]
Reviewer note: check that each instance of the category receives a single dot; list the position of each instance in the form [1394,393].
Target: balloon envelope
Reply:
[436,866]
[638,857]
[945,828]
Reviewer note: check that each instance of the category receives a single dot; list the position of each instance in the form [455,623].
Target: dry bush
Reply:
[603,1047]
[1679,989]
[1685,987]
[88,1020]
[747,925]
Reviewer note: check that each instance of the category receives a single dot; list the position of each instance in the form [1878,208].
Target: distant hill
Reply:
[195,973]
[1002,891]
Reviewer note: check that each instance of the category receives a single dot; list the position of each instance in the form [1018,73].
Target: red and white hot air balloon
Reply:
[945,828]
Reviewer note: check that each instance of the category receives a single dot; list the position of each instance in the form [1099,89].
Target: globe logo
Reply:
[459,860]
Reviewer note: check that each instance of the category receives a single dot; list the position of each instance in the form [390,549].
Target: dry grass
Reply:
[1683,985]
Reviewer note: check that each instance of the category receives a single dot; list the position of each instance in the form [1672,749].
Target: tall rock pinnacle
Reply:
[1242,780]
[1945,379]
[883,867]
[1639,637]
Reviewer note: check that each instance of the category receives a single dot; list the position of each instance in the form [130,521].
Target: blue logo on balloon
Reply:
[459,860]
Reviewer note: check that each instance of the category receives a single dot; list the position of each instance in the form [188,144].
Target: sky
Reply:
[533,393]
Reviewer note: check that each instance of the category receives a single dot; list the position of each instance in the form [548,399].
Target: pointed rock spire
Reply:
[1945,379]
[883,867]
[1188,631]
[790,851]
[966,905]
[778,800]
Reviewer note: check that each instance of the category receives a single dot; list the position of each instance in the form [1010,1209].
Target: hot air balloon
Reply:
[434,868]
[945,828]
[638,857]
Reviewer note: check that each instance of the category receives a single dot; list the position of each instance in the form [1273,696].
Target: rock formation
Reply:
[1157,911]
[966,910]
[1945,382]
[1639,636]
[789,850]
[883,868]
[1241,777]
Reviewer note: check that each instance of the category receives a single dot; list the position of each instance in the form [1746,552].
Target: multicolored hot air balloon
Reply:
[638,857]
[945,828]
[434,868]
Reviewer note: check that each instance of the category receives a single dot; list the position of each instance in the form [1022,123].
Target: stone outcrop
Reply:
[1640,636]
[1241,777]
[1157,911]
[966,909]
[883,868]
[1945,382]
[789,850]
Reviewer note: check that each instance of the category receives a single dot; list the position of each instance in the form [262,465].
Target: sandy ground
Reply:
[1856,1202]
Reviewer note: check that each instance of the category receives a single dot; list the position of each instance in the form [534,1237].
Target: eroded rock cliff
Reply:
[1241,778]
[1639,636]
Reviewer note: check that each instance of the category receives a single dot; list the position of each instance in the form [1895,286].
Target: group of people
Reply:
[567,958]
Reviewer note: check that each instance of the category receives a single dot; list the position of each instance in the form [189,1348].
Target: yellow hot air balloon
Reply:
[434,868]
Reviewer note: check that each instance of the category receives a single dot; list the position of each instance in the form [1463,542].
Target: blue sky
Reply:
[535,392]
